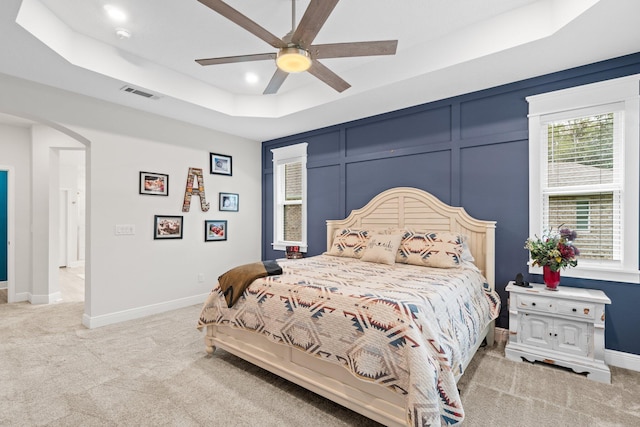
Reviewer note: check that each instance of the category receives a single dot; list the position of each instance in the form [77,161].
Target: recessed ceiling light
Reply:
[123,33]
[251,78]
[115,13]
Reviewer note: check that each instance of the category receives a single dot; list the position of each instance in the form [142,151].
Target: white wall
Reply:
[159,271]
[132,276]
[15,151]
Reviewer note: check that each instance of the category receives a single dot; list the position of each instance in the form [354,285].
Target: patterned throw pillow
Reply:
[382,248]
[430,249]
[349,242]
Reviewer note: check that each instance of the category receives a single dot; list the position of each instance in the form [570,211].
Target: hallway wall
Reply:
[15,151]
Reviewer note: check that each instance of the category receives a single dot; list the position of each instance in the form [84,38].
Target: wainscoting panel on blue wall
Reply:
[324,203]
[400,131]
[500,113]
[470,151]
[429,171]
[324,148]
[492,170]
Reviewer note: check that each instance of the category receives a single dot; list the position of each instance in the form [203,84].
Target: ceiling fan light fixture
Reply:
[293,60]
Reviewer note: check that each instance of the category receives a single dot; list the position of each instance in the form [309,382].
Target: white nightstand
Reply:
[563,327]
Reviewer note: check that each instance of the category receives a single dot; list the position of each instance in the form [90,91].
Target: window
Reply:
[290,197]
[583,154]
[582,215]
[584,178]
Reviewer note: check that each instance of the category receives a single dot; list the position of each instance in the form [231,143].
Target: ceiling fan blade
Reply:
[342,50]
[328,76]
[243,21]
[276,81]
[235,59]
[313,19]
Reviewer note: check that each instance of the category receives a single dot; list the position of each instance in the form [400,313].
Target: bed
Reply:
[400,365]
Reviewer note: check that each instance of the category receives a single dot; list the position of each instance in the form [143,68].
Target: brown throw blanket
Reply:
[235,281]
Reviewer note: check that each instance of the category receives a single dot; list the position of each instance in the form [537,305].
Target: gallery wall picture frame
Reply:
[228,202]
[221,164]
[154,184]
[215,230]
[167,227]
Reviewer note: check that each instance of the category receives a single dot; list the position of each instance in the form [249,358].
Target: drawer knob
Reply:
[533,304]
[574,310]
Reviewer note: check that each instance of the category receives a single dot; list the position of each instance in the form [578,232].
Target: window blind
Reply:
[582,184]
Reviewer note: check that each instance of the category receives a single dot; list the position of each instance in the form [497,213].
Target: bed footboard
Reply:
[319,376]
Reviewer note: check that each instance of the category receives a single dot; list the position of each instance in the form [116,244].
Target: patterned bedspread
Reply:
[405,327]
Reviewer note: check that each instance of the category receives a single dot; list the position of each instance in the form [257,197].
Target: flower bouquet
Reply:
[553,251]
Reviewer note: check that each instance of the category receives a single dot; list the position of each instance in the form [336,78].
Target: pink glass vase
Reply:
[551,278]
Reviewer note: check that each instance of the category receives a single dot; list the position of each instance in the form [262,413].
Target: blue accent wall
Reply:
[470,151]
[3,224]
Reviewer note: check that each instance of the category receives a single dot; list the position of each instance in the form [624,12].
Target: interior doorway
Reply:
[4,227]
[71,203]
[6,234]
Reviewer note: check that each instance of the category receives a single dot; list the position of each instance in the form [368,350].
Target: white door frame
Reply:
[11,286]
[63,255]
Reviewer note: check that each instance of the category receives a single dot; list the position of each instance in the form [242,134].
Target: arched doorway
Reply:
[47,140]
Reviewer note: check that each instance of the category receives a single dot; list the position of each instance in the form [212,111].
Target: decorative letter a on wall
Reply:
[195,187]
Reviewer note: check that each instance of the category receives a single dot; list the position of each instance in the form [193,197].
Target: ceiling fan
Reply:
[296,53]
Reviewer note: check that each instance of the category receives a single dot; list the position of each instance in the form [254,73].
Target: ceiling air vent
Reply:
[142,93]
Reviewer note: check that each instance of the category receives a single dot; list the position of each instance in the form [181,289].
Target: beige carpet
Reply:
[155,372]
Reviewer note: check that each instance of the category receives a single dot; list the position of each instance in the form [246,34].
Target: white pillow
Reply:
[382,248]
[466,252]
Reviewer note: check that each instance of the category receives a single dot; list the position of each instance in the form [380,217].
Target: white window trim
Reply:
[624,90]
[289,154]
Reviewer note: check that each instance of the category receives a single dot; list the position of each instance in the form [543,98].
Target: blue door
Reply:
[3,224]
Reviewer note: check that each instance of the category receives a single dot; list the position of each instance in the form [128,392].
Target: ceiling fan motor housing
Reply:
[293,59]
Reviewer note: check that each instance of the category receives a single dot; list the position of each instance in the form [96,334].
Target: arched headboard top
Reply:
[415,209]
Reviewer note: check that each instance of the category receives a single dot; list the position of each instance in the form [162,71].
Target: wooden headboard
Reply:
[405,207]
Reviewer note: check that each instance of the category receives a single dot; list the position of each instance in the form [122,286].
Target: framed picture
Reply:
[167,227]
[155,184]
[215,231]
[228,202]
[220,164]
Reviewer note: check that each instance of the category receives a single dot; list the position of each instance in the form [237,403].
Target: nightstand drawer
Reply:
[576,309]
[534,303]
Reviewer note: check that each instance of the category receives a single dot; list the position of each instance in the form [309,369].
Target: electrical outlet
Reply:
[200,277]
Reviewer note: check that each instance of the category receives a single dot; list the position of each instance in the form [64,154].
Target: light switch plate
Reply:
[125,229]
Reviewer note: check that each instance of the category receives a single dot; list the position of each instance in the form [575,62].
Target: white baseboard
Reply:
[622,360]
[136,313]
[44,299]
[20,297]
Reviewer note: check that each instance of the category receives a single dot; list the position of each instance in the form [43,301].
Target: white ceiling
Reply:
[445,48]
